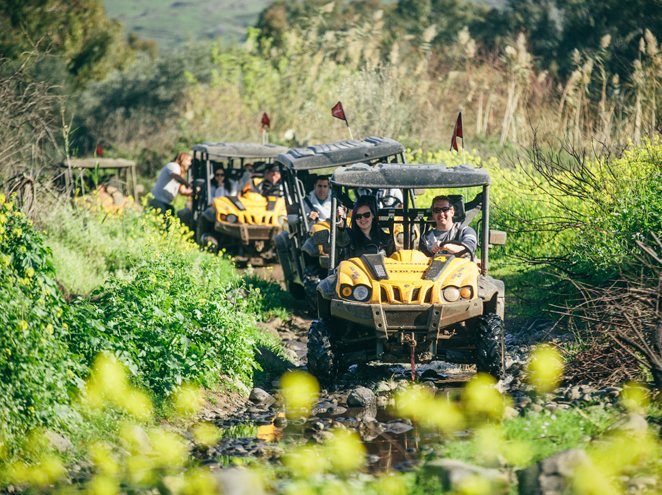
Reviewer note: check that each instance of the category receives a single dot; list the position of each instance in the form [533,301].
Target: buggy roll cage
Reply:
[74,170]
[299,162]
[410,178]
[206,154]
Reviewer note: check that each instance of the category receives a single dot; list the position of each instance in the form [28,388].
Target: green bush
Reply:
[34,363]
[173,321]
[172,314]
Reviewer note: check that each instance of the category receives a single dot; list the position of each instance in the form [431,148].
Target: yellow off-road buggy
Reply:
[244,221]
[303,249]
[108,183]
[409,306]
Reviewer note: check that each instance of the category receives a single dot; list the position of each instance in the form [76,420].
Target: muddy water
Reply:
[391,443]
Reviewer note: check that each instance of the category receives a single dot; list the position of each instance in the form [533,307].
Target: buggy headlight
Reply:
[361,292]
[466,292]
[231,218]
[451,293]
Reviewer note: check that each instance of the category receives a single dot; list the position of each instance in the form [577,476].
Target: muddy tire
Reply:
[296,290]
[322,361]
[310,287]
[490,349]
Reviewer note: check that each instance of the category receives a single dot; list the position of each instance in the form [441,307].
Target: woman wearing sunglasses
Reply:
[223,185]
[446,230]
[365,236]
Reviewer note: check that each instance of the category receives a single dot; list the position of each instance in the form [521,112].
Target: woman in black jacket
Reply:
[365,236]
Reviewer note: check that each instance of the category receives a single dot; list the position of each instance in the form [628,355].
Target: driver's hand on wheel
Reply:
[448,248]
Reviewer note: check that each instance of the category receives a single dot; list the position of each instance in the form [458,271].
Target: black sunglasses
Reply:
[367,214]
[440,209]
[219,175]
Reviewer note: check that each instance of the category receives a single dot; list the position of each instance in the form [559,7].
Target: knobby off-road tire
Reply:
[491,349]
[322,361]
[310,288]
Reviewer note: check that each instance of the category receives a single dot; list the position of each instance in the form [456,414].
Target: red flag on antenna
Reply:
[266,123]
[338,112]
[457,132]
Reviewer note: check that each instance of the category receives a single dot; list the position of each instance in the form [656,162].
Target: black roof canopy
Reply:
[94,163]
[220,151]
[340,153]
[386,176]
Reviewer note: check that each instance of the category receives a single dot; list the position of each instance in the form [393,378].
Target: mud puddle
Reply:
[362,402]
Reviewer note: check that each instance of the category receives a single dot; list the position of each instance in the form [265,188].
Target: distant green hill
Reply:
[174,22]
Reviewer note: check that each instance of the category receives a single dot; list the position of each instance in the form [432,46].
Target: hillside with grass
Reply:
[174,23]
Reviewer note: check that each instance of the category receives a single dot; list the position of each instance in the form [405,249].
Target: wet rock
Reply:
[361,397]
[382,388]
[430,373]
[371,430]
[322,436]
[382,401]
[397,427]
[586,389]
[238,481]
[633,423]
[613,392]
[280,421]
[429,385]
[337,410]
[261,397]
[323,407]
[551,476]
[453,474]
[315,425]
[573,393]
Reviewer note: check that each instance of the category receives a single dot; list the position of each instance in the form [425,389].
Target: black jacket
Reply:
[359,244]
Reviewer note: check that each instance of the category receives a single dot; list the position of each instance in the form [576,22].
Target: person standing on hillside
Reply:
[170,182]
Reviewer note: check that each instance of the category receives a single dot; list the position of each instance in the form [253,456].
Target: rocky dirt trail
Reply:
[362,397]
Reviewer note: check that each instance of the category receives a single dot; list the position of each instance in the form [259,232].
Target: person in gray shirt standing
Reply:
[170,182]
[446,230]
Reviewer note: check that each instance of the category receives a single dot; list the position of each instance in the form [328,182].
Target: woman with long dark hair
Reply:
[365,235]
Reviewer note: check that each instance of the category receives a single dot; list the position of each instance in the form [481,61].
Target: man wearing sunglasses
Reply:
[446,230]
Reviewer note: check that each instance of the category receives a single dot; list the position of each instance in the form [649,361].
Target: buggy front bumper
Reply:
[248,233]
[387,319]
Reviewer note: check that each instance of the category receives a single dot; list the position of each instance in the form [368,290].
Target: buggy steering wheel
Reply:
[462,252]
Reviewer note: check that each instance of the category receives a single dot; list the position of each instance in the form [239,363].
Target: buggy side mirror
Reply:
[497,237]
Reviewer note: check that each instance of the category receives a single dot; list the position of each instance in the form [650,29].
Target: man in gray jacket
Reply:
[446,230]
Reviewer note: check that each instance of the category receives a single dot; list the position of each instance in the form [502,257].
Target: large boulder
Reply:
[458,476]
[551,476]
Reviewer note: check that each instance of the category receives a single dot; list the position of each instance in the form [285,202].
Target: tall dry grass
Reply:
[410,92]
